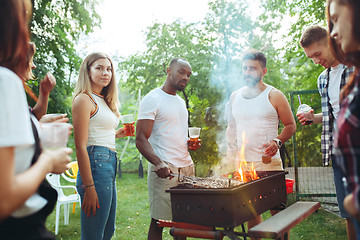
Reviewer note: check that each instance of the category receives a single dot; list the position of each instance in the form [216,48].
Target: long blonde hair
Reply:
[83,84]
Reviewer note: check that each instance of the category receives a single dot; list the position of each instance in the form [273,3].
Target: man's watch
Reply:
[278,142]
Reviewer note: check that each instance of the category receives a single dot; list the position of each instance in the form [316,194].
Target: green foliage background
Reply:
[55,27]
[212,46]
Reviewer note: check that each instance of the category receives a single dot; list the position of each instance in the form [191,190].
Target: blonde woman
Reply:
[95,118]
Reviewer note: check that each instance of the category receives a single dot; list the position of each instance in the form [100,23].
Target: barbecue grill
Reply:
[229,206]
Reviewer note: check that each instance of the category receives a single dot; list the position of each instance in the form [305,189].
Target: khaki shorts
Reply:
[160,204]
[274,165]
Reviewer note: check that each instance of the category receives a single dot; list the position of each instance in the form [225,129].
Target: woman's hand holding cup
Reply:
[54,117]
[60,159]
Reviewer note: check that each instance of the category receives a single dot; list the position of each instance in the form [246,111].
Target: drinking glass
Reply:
[264,144]
[194,134]
[128,122]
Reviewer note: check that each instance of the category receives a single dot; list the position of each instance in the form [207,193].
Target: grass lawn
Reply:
[133,217]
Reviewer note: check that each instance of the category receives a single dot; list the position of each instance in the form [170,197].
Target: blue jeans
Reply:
[341,192]
[103,163]
[357,228]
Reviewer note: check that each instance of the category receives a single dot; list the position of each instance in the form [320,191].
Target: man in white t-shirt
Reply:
[314,41]
[161,137]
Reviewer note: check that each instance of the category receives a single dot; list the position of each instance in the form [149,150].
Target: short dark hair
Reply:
[175,60]
[255,55]
[313,34]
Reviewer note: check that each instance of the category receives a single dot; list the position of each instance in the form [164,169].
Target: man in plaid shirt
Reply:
[315,44]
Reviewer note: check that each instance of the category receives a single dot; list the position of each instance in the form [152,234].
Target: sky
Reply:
[124,23]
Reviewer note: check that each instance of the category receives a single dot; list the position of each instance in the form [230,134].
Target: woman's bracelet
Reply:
[84,187]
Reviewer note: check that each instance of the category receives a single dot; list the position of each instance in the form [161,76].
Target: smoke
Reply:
[226,76]
[234,38]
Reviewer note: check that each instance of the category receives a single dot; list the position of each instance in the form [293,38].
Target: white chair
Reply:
[70,176]
[54,180]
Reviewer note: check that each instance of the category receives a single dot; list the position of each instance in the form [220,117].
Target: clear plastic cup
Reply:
[129,118]
[54,135]
[265,158]
[128,122]
[54,114]
[194,134]
[304,108]
[264,144]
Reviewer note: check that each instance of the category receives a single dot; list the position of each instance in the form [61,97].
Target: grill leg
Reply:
[231,234]
[243,229]
[286,237]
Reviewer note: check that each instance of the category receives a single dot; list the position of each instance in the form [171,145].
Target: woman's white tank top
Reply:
[102,124]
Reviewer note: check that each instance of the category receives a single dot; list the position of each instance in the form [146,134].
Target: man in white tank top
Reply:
[255,110]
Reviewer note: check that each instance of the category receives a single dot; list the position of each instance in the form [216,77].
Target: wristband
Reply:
[278,142]
[84,187]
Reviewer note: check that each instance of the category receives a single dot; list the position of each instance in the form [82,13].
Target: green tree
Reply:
[164,42]
[213,48]
[55,27]
[237,32]
[300,71]
[233,28]
[303,14]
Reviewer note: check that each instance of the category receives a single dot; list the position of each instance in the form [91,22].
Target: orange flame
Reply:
[253,173]
[245,174]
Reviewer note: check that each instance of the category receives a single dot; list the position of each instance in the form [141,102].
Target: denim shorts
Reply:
[103,163]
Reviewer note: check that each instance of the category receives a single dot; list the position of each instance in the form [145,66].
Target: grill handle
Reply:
[205,234]
[183,177]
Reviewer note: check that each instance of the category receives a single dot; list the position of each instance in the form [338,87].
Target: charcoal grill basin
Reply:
[228,207]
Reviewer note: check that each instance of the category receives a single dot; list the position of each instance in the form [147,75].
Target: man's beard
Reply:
[179,87]
[251,81]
